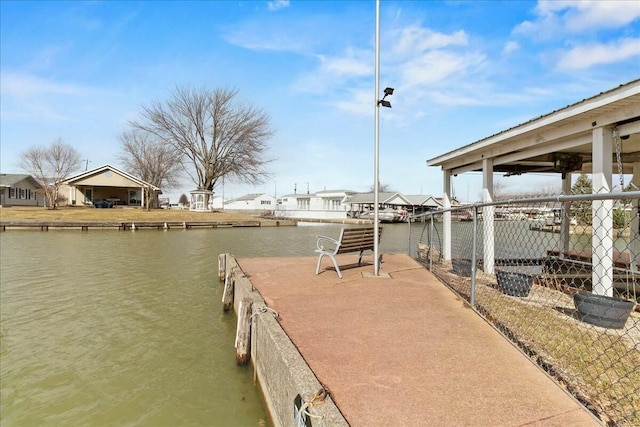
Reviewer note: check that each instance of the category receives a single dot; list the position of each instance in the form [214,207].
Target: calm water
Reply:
[127,328]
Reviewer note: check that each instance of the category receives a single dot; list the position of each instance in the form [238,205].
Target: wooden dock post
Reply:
[243,332]
[227,296]
[222,266]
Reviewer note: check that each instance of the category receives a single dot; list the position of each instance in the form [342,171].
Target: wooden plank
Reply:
[227,295]
[243,332]
[222,266]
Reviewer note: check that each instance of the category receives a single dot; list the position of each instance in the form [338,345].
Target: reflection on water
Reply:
[126,328]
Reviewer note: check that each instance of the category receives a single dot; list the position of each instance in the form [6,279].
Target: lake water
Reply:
[126,328]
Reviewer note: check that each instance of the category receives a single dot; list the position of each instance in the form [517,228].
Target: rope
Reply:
[318,399]
[265,309]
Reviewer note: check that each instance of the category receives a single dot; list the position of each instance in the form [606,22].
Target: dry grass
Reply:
[85,214]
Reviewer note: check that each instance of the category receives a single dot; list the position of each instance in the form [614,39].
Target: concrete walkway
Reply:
[405,350]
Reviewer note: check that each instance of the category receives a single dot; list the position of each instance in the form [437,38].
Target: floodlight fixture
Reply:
[387,91]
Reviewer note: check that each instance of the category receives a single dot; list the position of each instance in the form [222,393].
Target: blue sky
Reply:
[462,70]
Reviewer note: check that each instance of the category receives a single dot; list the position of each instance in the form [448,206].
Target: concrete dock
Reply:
[404,350]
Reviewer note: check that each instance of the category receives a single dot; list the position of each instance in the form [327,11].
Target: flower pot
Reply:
[461,267]
[602,310]
[513,283]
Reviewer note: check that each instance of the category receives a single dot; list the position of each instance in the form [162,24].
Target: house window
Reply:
[135,197]
[23,193]
[331,204]
[12,193]
[32,195]
[303,204]
[265,202]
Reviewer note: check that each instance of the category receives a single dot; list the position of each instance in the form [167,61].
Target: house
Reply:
[20,190]
[252,202]
[364,202]
[421,203]
[107,183]
[327,204]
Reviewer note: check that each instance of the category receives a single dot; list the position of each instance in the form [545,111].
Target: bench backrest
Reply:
[357,239]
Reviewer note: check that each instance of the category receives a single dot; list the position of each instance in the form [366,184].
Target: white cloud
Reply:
[439,65]
[585,56]
[359,102]
[352,64]
[25,86]
[277,4]
[510,47]
[417,39]
[578,16]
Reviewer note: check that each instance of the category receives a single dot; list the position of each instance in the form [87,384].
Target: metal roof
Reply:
[559,141]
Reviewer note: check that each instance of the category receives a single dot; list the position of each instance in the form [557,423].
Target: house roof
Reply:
[9,179]
[422,200]
[383,197]
[104,168]
[560,141]
[252,196]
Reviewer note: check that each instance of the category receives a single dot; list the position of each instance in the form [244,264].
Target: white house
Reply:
[252,202]
[328,204]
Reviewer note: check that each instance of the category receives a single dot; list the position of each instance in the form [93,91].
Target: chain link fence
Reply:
[560,277]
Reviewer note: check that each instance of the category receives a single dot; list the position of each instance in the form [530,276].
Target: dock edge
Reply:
[281,371]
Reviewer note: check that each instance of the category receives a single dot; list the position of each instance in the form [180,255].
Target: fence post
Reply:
[474,237]
[431,244]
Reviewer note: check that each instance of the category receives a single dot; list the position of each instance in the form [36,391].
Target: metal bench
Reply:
[350,240]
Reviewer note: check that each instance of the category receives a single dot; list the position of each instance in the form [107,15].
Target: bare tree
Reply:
[217,135]
[156,163]
[51,166]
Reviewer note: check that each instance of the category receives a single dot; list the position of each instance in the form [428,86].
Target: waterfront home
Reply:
[362,203]
[107,184]
[421,203]
[326,204]
[252,202]
[20,190]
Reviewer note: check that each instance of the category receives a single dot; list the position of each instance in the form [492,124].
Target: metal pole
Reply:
[474,245]
[376,185]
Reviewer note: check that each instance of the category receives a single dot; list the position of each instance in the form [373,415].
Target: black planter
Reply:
[462,267]
[514,284]
[601,310]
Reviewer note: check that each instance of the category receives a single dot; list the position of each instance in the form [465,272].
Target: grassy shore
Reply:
[85,214]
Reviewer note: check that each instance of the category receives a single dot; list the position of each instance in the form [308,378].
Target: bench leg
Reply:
[335,264]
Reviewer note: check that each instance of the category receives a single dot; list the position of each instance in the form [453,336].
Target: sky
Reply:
[461,70]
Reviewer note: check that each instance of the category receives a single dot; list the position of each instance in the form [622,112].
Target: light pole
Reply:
[376,172]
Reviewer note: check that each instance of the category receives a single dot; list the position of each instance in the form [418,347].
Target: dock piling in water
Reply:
[222,266]
[227,296]
[243,332]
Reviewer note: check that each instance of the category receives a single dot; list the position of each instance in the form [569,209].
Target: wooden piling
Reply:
[227,296]
[243,333]
[222,266]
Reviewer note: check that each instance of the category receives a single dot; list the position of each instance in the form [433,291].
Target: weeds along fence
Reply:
[560,277]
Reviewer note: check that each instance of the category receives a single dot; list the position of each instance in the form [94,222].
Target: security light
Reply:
[388,91]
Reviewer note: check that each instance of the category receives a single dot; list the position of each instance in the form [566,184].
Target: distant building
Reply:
[20,190]
[252,202]
[107,184]
[327,204]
